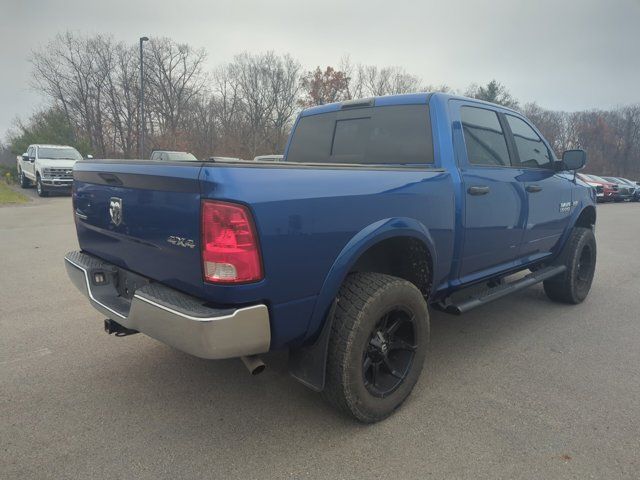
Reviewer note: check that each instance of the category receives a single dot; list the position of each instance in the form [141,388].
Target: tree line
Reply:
[246,107]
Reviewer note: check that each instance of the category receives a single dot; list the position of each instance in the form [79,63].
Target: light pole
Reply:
[142,39]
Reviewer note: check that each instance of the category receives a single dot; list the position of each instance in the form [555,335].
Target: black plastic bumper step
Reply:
[501,290]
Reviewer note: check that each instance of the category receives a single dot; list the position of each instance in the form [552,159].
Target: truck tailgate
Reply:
[143,216]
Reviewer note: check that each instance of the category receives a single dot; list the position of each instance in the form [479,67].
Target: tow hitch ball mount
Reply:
[114,327]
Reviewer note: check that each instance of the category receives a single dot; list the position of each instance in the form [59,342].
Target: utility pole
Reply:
[142,125]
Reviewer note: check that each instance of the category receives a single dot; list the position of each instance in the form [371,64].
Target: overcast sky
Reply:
[564,54]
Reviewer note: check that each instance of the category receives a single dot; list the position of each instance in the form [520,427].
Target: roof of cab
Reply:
[421,98]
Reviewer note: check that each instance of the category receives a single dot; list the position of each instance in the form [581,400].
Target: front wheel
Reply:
[24,181]
[579,256]
[40,188]
[377,346]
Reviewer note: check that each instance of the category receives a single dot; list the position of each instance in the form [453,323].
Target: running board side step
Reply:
[501,290]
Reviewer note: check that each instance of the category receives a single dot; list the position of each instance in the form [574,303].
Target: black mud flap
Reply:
[307,364]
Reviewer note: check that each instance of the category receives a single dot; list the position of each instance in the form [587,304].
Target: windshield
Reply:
[59,153]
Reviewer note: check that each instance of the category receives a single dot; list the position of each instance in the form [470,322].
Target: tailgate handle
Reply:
[110,178]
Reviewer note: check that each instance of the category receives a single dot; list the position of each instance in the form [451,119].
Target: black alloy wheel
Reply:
[391,349]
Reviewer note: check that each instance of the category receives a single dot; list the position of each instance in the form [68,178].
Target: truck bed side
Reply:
[304,216]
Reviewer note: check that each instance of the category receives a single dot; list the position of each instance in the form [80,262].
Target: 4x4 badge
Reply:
[181,241]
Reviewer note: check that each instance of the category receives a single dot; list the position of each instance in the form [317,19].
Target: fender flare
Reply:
[307,363]
[582,207]
[575,215]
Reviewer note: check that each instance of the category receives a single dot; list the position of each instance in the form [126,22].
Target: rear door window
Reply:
[484,138]
[394,135]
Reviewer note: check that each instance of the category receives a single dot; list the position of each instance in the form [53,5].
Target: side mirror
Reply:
[574,159]
[89,157]
[25,157]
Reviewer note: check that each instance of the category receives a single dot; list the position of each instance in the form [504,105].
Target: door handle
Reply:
[533,188]
[478,190]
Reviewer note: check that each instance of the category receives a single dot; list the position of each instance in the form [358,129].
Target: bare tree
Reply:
[285,87]
[67,70]
[247,106]
[253,76]
[176,77]
[203,126]
[266,89]
[374,81]
[553,125]
[627,126]
[119,66]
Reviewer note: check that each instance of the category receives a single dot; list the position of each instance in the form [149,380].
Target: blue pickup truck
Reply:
[380,208]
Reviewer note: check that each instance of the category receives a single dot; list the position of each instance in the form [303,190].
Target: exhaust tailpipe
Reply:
[254,364]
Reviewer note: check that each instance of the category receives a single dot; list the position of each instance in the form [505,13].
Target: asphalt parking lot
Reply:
[521,388]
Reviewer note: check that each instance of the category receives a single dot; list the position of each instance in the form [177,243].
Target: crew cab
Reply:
[380,208]
[49,167]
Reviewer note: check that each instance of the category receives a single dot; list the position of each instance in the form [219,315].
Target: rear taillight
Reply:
[230,252]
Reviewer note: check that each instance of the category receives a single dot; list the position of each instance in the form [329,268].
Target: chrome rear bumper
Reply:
[170,316]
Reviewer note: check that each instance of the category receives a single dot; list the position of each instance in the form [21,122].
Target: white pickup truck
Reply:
[49,167]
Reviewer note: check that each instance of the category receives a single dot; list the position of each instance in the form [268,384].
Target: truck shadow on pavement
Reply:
[201,399]
[134,398]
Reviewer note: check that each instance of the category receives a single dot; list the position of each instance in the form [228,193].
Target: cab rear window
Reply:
[394,135]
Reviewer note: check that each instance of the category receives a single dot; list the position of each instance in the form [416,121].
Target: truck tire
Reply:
[579,256]
[24,181]
[377,346]
[40,188]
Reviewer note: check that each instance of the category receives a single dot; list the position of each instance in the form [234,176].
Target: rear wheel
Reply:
[377,347]
[40,188]
[579,256]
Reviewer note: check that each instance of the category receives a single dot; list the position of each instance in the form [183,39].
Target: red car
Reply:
[605,191]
